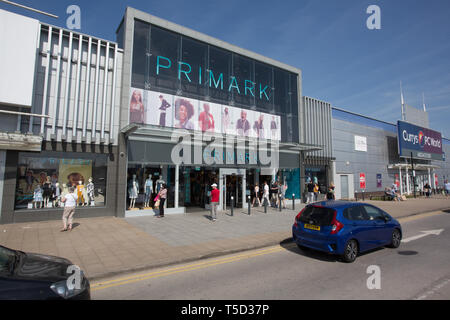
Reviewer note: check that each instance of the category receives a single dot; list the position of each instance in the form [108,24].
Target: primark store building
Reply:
[164,104]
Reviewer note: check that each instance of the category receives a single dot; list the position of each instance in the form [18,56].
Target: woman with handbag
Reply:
[162,194]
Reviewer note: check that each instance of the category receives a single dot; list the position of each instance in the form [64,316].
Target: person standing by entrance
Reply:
[162,199]
[215,194]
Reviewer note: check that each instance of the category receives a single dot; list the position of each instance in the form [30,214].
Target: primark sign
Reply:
[418,142]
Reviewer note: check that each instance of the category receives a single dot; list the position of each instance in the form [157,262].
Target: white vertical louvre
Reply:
[66,96]
[77,90]
[47,70]
[105,90]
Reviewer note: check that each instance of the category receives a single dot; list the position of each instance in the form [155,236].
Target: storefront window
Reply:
[44,179]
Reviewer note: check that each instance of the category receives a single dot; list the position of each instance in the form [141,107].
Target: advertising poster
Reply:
[185,113]
[160,109]
[379,180]
[362,180]
[75,170]
[397,181]
[165,110]
[138,108]
[209,115]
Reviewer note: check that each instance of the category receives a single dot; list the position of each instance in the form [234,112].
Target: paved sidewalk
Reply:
[107,246]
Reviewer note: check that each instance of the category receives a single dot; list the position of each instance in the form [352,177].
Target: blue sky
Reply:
[343,62]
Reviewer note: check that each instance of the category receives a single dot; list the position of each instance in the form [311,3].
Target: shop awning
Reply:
[145,132]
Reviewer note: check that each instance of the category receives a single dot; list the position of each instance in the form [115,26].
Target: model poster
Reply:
[165,110]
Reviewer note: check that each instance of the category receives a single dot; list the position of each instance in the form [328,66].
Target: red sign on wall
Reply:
[362,180]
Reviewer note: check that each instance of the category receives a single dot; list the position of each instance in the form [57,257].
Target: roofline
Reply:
[367,117]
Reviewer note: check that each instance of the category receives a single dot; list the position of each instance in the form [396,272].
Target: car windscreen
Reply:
[319,216]
[7,257]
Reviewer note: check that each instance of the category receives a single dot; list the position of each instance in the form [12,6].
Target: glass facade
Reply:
[170,63]
[44,179]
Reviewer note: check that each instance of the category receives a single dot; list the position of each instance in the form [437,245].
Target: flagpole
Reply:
[403,102]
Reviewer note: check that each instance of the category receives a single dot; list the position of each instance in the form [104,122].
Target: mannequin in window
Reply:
[90,192]
[133,191]
[56,195]
[80,193]
[47,192]
[148,190]
[37,197]
[159,183]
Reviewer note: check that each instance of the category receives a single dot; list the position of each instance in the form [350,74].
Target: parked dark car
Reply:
[29,276]
[345,228]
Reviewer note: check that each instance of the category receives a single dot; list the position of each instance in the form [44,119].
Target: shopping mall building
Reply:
[167,104]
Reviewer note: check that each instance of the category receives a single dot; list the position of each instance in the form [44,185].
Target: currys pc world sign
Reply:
[418,142]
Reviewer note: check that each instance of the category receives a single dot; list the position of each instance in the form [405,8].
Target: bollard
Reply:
[293,201]
[249,204]
[279,201]
[232,206]
[363,195]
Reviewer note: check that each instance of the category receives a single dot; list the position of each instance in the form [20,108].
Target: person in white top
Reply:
[70,202]
[266,193]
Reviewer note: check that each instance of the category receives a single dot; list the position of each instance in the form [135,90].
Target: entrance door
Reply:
[344,187]
[232,184]
[233,189]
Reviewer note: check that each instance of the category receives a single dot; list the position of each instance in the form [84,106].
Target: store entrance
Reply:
[233,188]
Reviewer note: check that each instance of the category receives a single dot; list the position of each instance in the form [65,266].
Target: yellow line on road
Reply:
[137,278]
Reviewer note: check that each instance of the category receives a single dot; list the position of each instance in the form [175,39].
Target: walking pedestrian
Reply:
[310,188]
[316,191]
[215,195]
[447,187]
[256,196]
[283,194]
[427,190]
[330,193]
[275,197]
[266,199]
[70,202]
[162,199]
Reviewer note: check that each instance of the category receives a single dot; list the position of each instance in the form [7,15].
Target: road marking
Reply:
[424,234]
[165,272]
[433,290]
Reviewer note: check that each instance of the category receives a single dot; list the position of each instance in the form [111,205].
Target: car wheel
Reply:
[351,251]
[396,239]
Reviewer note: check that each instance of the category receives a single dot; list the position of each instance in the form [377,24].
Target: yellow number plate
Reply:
[310,226]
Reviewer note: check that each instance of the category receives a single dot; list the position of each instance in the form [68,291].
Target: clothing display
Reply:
[80,194]
[90,191]
[134,190]
[37,197]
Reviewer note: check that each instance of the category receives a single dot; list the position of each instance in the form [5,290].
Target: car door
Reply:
[360,226]
[380,232]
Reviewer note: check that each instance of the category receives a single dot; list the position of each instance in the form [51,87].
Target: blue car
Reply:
[345,228]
